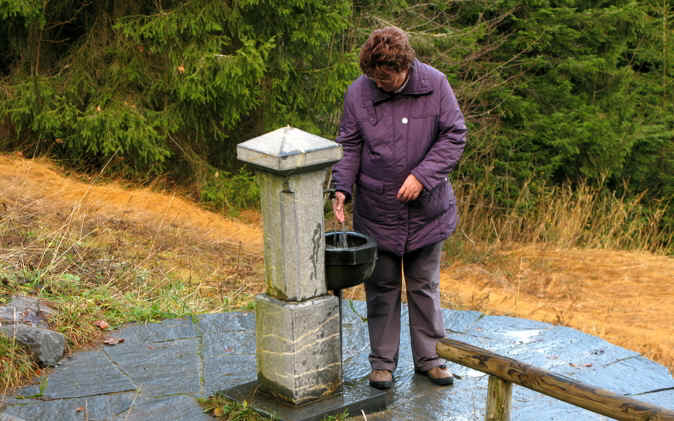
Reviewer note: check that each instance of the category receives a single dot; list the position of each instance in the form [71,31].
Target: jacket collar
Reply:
[417,84]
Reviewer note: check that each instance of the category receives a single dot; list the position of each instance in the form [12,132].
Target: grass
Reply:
[227,410]
[16,364]
[106,253]
[95,266]
[583,215]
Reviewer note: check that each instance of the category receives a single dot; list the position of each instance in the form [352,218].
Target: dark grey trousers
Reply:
[383,290]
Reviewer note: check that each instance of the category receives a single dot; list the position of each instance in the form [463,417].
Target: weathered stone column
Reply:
[297,323]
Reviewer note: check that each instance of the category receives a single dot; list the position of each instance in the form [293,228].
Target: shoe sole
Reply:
[382,385]
[445,381]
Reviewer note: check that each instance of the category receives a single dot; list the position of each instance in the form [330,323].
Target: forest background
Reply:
[568,102]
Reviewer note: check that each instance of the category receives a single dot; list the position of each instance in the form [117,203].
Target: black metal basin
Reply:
[349,258]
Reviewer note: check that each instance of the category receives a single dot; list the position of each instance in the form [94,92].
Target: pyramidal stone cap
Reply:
[289,150]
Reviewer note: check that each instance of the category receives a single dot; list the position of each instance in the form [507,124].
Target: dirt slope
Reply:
[624,297]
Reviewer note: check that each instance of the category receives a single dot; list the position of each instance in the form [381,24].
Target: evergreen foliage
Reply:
[150,84]
[554,91]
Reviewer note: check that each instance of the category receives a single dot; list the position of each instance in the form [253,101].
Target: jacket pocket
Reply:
[434,203]
[376,201]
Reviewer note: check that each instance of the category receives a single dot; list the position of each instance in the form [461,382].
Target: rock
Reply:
[26,310]
[47,346]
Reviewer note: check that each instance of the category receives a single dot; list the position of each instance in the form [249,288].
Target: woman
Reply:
[402,132]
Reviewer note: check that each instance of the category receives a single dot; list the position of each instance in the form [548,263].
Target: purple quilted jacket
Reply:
[385,138]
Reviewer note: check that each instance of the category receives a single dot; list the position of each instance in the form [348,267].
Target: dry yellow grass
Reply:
[39,183]
[623,297]
[141,231]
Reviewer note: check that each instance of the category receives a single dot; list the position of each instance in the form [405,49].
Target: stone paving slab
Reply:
[88,373]
[92,408]
[161,369]
[228,351]
[656,398]
[223,371]
[171,408]
[212,326]
[139,334]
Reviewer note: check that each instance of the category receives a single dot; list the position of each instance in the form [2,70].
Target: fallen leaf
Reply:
[102,324]
[113,341]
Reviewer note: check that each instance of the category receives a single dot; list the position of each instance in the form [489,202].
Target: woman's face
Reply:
[390,81]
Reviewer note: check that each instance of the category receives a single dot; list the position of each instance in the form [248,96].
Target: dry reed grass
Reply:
[566,216]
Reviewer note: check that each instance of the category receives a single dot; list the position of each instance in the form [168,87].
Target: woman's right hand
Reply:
[338,206]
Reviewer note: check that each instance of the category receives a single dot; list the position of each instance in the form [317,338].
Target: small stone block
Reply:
[289,150]
[26,310]
[298,348]
[352,399]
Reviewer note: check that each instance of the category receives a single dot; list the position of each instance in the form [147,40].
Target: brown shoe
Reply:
[381,379]
[439,375]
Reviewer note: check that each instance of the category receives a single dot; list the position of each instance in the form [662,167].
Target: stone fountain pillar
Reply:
[297,322]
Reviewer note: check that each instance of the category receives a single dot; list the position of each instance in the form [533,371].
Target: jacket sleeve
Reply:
[345,171]
[445,152]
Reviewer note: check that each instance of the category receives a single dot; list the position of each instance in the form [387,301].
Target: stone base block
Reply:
[298,348]
[352,399]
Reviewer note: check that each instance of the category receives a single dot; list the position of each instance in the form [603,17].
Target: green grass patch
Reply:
[16,364]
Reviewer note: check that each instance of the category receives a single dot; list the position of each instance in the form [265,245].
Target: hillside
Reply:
[623,297]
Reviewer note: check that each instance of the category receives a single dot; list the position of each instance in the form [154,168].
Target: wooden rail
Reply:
[504,371]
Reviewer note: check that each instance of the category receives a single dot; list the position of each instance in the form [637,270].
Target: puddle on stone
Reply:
[524,336]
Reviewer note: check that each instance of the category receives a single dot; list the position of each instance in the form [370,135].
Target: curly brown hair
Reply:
[386,51]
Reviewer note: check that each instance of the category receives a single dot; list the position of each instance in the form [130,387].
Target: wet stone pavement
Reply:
[160,370]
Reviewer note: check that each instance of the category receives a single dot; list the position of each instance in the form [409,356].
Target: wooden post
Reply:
[499,394]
